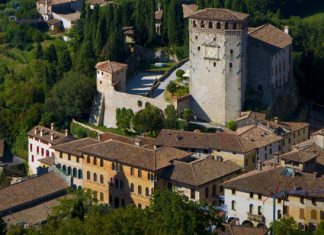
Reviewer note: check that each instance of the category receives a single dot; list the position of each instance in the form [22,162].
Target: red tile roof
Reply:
[218,14]
[110,66]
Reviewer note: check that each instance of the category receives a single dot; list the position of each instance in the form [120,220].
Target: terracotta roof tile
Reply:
[27,191]
[200,171]
[110,66]
[145,142]
[132,155]
[218,14]
[299,156]
[73,147]
[50,161]
[271,35]
[46,137]
[226,141]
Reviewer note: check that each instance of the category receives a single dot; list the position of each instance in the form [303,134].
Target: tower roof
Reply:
[218,14]
[110,66]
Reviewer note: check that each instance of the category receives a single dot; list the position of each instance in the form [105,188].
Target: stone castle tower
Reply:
[217,47]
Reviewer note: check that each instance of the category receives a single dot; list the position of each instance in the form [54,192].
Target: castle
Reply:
[228,59]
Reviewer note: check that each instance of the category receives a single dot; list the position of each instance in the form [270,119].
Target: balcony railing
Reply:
[255,217]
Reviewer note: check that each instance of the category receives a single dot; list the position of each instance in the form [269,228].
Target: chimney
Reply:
[52,136]
[35,130]
[41,132]
[286,29]
[52,126]
[276,158]
[66,132]
[276,119]
[319,139]
[259,165]
[268,124]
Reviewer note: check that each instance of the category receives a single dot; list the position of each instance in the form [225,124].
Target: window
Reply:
[230,65]
[37,150]
[116,183]
[132,187]
[210,24]
[214,64]
[139,205]
[121,184]
[88,159]
[194,23]
[233,191]
[30,147]
[149,176]
[202,24]
[314,214]
[196,37]
[289,141]
[279,200]
[139,173]
[75,172]
[61,155]
[259,196]
[279,214]
[101,163]
[111,182]
[101,179]
[206,192]
[221,189]
[233,205]
[251,195]
[214,190]
[32,158]
[246,162]
[192,194]
[69,170]
[198,48]
[42,151]
[231,52]
[77,159]
[314,201]
[132,171]
[69,157]
[259,210]
[147,192]
[88,175]
[101,196]
[95,177]
[251,208]
[94,161]
[322,215]
[80,174]
[218,25]
[64,168]
[226,25]
[234,25]
[301,213]
[47,153]
[139,189]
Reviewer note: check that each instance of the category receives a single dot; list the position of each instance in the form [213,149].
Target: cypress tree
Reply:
[83,9]
[39,51]
[164,34]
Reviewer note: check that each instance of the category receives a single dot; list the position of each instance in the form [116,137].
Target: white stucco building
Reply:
[40,143]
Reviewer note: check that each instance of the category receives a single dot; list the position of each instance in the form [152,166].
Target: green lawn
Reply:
[150,67]
[112,130]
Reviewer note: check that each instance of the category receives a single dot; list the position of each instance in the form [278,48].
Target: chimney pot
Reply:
[52,136]
[35,131]
[41,132]
[52,126]
[66,132]
[259,165]
[286,29]
[276,119]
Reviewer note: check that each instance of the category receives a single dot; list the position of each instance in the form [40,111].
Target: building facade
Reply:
[217,51]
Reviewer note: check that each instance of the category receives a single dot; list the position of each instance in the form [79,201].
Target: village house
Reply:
[69,159]
[297,180]
[30,202]
[40,143]
[222,146]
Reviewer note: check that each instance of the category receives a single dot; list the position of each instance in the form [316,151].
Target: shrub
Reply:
[231,125]
[180,73]
[139,103]
[171,87]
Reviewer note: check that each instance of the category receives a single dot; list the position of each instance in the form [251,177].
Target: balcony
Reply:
[256,218]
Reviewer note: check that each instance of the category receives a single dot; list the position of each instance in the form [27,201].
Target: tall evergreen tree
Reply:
[39,51]
[175,22]
[50,54]
[64,60]
[83,9]
[164,34]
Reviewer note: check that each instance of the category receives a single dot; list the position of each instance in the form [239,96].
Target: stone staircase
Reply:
[98,110]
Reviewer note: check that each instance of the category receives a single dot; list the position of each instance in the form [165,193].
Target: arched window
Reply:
[251,208]
[279,214]
[234,25]
[58,166]
[94,161]
[218,25]
[231,52]
[147,192]
[226,25]
[132,170]
[202,24]
[314,214]
[75,172]
[121,184]
[139,189]
[95,177]
[88,159]
[69,170]
[194,23]
[113,166]
[132,187]
[259,210]
[139,173]
[101,179]
[233,205]
[101,163]
[80,174]
[64,168]
[88,175]
[116,183]
[152,191]
[210,24]
[149,176]
[230,65]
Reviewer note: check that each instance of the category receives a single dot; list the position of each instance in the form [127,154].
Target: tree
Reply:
[171,87]
[39,51]
[64,59]
[175,22]
[149,119]
[171,119]
[50,53]
[320,229]
[231,125]
[180,73]
[186,114]
[124,118]
[285,226]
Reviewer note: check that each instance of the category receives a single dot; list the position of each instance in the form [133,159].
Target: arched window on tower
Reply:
[226,25]
[210,24]
[218,25]
[202,24]
[234,25]
[95,177]
[230,66]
